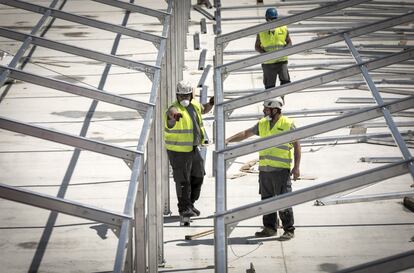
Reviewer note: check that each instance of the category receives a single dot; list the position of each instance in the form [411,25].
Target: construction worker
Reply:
[275,165]
[183,134]
[271,40]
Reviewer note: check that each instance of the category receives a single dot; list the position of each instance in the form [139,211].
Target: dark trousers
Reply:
[188,173]
[271,71]
[272,184]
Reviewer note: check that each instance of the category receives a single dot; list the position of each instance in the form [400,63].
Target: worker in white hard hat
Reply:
[272,40]
[183,134]
[275,165]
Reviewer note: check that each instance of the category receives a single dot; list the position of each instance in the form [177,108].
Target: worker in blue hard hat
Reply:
[271,40]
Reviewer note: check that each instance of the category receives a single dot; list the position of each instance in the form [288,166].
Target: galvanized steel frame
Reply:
[136,240]
[223,217]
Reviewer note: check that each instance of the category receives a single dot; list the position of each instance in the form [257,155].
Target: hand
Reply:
[177,116]
[174,114]
[296,173]
[211,101]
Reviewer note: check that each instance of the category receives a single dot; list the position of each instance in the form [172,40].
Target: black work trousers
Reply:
[188,173]
[272,184]
[271,71]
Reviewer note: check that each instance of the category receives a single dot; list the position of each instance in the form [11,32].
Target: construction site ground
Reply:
[327,238]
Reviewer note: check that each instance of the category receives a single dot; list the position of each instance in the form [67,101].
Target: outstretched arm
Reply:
[208,106]
[241,136]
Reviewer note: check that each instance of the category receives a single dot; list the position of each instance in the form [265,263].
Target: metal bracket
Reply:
[157,45]
[150,75]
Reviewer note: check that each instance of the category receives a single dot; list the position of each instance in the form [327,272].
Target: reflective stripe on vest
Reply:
[280,156]
[274,40]
[180,138]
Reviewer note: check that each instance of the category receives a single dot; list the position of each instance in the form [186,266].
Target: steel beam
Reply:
[365,198]
[314,192]
[334,38]
[316,128]
[52,203]
[77,90]
[134,8]
[68,139]
[225,38]
[25,45]
[395,263]
[84,20]
[316,80]
[87,53]
[380,101]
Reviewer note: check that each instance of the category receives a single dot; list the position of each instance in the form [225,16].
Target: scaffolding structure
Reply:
[139,226]
[226,219]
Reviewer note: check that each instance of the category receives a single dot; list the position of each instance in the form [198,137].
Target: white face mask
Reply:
[185,103]
[269,118]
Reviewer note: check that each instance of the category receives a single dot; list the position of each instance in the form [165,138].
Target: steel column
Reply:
[220,230]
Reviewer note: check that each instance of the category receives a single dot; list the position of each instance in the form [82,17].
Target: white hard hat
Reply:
[274,103]
[184,88]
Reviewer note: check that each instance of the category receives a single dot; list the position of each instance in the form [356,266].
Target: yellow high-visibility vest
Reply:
[274,40]
[180,138]
[280,156]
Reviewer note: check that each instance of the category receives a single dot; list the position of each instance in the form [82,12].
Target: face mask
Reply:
[185,103]
[271,115]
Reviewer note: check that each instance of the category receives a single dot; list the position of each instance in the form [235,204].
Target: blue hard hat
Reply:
[271,14]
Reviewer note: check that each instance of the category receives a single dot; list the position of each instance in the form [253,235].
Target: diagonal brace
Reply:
[61,205]
[314,192]
[68,139]
[83,20]
[83,52]
[316,128]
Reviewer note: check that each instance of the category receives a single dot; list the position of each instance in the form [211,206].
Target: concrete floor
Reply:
[328,238]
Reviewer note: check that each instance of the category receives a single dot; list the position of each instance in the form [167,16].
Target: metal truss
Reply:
[139,226]
[225,218]
[78,51]
[61,205]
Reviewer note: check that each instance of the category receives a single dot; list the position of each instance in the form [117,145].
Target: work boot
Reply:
[188,213]
[266,232]
[196,211]
[287,235]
